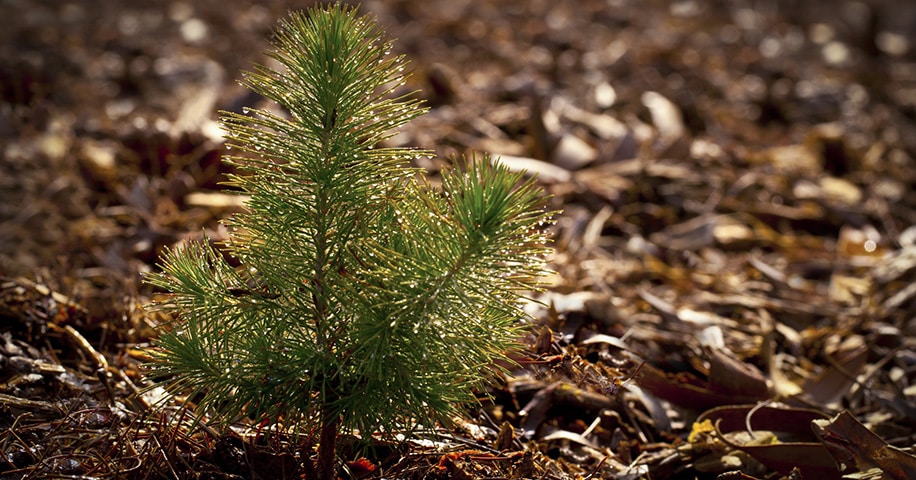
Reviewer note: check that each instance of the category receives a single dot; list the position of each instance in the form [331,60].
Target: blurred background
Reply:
[107,121]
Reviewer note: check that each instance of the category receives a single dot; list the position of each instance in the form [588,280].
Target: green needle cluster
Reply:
[366,299]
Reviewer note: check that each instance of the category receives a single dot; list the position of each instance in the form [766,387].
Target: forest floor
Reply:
[735,294]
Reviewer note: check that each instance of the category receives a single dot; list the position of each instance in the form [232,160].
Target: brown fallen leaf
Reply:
[730,376]
[546,172]
[505,438]
[851,443]
[789,442]
[834,382]
[730,381]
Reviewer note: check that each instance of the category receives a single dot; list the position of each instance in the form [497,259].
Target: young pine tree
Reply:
[367,299]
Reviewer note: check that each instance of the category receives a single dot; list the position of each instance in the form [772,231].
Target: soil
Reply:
[738,236]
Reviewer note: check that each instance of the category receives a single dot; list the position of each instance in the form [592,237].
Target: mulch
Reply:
[735,287]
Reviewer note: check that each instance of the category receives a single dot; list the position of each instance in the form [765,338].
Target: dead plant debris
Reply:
[735,293]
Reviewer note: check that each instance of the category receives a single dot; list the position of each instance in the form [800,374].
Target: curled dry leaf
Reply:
[730,381]
[836,380]
[779,438]
[853,444]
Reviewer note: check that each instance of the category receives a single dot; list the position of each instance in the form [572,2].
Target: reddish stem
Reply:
[327,447]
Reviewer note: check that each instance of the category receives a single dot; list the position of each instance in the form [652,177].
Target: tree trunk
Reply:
[327,447]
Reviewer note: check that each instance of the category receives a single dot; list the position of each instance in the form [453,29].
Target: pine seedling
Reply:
[367,300]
